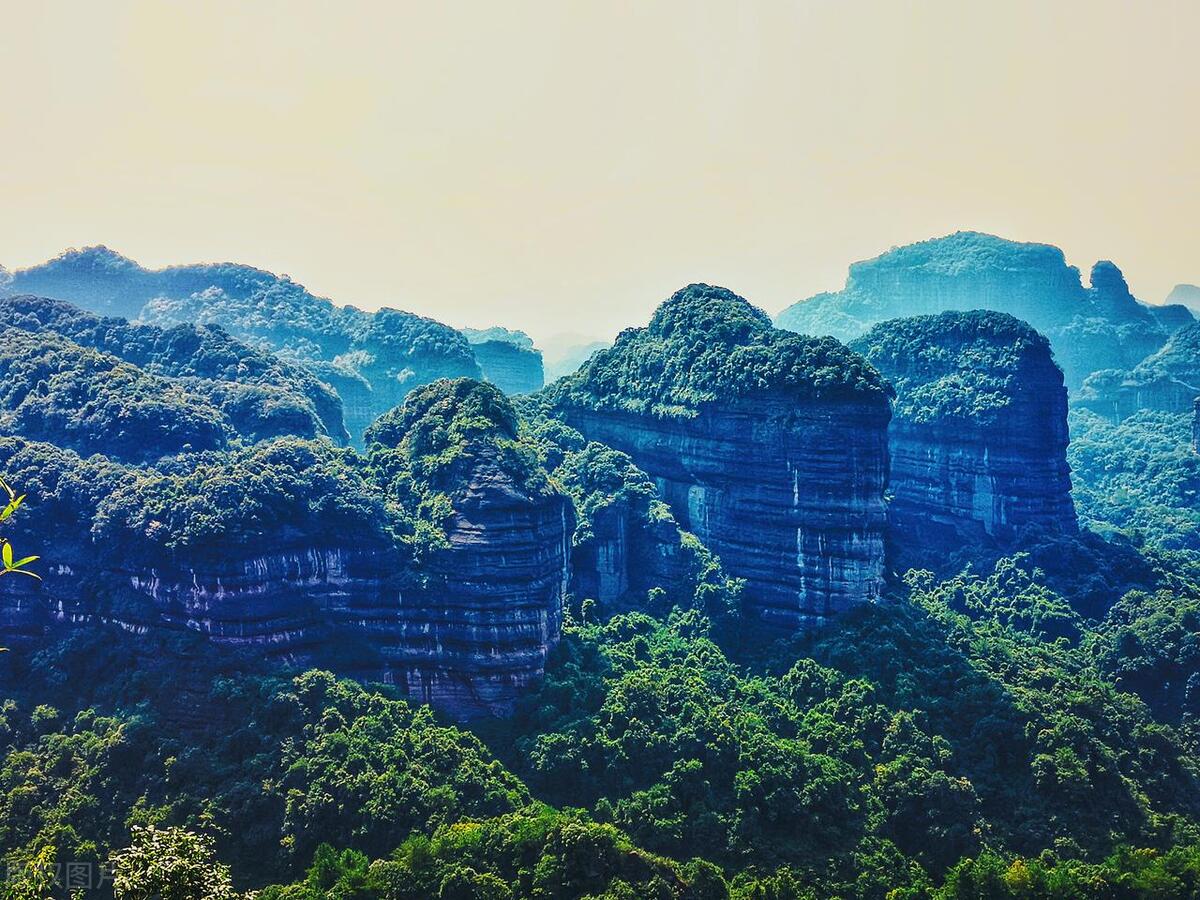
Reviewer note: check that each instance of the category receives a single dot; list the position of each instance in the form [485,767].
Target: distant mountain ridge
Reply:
[1095,327]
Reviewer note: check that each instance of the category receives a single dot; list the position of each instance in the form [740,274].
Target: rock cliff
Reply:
[439,563]
[510,363]
[978,435]
[628,551]
[770,447]
[1094,328]
[1167,381]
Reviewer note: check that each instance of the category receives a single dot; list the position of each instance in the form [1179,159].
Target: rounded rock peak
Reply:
[1106,276]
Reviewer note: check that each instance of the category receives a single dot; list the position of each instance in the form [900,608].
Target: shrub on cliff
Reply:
[955,366]
[282,494]
[446,428]
[706,343]
[1140,477]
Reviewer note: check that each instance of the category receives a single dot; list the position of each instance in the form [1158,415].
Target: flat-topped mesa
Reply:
[490,609]
[507,359]
[979,428]
[964,270]
[1102,326]
[769,446]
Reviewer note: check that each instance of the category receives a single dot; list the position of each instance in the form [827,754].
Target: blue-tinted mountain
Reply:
[1090,328]
[507,358]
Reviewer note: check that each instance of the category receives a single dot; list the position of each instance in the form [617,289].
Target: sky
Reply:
[563,166]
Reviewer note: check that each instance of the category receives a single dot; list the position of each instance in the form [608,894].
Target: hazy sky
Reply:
[563,166]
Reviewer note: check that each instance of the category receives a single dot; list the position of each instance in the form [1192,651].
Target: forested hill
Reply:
[372,359]
[705,344]
[201,354]
[646,633]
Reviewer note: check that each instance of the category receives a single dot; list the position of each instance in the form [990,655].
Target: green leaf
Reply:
[26,561]
[7,555]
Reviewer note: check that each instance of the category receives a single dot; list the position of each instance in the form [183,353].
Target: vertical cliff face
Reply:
[979,432]
[771,448]
[628,550]
[493,607]
[439,563]
[513,369]
[492,591]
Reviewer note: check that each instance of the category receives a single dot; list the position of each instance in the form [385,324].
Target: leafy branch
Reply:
[7,557]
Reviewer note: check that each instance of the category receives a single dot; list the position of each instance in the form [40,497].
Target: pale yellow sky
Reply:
[563,166]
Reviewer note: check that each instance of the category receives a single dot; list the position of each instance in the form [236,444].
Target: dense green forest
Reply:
[1018,722]
[703,341]
[976,736]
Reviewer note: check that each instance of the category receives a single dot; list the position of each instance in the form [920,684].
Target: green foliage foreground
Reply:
[969,739]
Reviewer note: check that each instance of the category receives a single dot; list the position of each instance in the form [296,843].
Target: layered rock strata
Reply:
[497,597]
[771,448]
[285,553]
[978,437]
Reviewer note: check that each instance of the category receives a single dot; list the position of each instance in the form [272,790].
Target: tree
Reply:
[11,564]
[170,864]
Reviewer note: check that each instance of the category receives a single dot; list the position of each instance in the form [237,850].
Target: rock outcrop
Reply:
[979,436]
[495,599]
[1094,328]
[288,552]
[1167,381]
[511,366]
[770,447]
